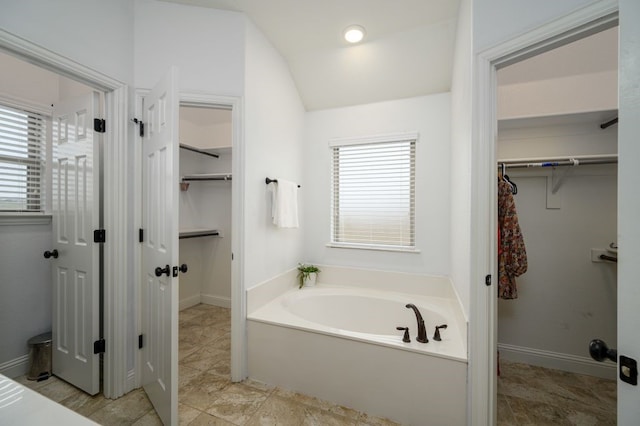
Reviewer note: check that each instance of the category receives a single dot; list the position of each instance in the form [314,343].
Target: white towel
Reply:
[284,204]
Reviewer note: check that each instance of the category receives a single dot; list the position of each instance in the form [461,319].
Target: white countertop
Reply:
[20,405]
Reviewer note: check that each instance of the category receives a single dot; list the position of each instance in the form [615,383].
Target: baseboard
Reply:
[209,299]
[189,302]
[558,361]
[15,367]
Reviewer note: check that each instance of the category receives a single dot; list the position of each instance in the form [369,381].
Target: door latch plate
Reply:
[628,370]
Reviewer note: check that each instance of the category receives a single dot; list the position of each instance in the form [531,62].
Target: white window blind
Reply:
[374,194]
[22,159]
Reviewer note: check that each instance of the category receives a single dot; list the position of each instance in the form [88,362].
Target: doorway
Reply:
[560,157]
[206,222]
[589,20]
[73,79]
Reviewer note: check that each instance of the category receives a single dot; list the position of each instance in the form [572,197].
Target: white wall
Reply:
[495,21]
[215,135]
[564,299]
[77,29]
[560,136]
[206,204]
[274,119]
[94,33]
[429,116]
[460,171]
[224,53]
[25,287]
[481,25]
[566,95]
[207,46]
[216,285]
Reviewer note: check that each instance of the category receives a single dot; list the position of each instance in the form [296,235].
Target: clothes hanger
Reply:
[514,187]
[505,177]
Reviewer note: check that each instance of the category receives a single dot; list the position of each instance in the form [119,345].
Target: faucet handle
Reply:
[406,337]
[436,335]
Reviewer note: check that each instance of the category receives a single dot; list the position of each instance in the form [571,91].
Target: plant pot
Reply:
[310,280]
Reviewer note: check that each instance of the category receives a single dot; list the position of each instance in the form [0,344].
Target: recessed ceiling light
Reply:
[354,34]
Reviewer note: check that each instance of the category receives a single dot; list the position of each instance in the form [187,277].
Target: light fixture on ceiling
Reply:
[354,34]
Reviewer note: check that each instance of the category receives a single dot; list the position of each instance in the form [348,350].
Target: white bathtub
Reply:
[340,343]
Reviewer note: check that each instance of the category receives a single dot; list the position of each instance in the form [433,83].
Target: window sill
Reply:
[373,247]
[11,218]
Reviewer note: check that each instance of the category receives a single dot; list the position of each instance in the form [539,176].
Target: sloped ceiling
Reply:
[408,50]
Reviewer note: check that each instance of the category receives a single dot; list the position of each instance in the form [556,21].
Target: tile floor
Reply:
[530,395]
[206,396]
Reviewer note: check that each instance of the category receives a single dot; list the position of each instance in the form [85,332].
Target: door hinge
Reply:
[140,235]
[139,123]
[140,342]
[99,236]
[487,280]
[99,346]
[99,125]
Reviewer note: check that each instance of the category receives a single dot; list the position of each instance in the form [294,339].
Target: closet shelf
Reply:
[574,160]
[207,152]
[197,233]
[184,181]
[206,176]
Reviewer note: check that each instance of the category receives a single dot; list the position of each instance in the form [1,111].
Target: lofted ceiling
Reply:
[407,52]
[408,49]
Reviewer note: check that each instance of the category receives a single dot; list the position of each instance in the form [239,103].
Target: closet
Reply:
[558,140]
[205,205]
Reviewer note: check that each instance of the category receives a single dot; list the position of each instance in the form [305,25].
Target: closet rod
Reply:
[199,151]
[609,123]
[205,177]
[609,258]
[199,234]
[558,163]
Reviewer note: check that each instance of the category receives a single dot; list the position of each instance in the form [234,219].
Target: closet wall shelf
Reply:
[206,176]
[184,181]
[197,233]
[557,177]
[207,152]
[551,162]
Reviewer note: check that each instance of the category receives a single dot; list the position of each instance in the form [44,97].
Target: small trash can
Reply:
[40,368]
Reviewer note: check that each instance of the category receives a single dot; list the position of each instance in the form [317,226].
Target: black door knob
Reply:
[182,268]
[53,253]
[165,270]
[600,351]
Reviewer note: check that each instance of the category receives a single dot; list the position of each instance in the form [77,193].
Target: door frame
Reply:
[238,294]
[115,197]
[482,390]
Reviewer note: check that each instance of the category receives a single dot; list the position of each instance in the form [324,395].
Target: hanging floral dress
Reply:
[512,255]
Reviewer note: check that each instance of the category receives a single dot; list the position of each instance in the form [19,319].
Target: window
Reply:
[22,159]
[373,203]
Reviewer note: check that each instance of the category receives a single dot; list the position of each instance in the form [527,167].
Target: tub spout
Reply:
[422,331]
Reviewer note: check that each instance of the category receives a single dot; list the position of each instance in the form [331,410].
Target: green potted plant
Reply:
[307,274]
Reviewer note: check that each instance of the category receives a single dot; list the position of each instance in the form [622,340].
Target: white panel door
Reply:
[76,213]
[629,207]
[159,291]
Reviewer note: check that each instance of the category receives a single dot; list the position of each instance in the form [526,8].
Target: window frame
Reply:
[412,137]
[42,213]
